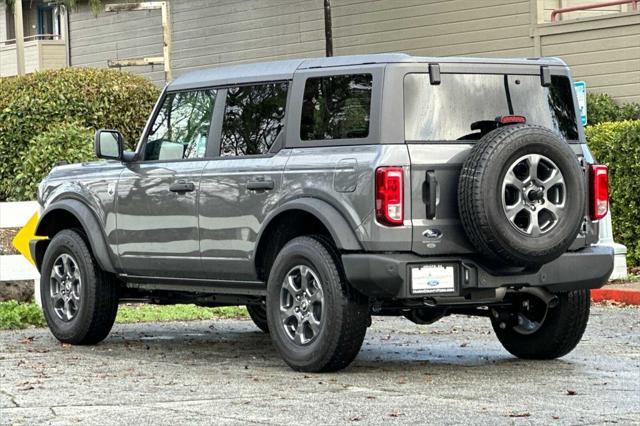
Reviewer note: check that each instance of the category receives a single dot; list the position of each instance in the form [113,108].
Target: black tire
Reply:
[558,335]
[480,196]
[344,317]
[98,293]
[258,314]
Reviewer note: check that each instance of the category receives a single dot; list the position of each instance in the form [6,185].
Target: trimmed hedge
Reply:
[618,146]
[92,98]
[70,142]
[602,108]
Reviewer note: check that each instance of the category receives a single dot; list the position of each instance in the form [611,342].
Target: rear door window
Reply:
[336,107]
[448,111]
[253,119]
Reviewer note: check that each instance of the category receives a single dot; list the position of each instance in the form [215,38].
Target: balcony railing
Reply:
[589,6]
[41,52]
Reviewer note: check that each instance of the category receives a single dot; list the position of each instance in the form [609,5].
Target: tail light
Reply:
[512,119]
[599,177]
[390,195]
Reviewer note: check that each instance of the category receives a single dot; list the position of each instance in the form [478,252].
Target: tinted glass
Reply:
[336,107]
[181,128]
[253,118]
[448,111]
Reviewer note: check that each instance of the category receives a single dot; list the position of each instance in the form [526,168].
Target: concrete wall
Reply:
[603,50]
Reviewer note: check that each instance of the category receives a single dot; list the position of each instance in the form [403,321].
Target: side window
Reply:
[253,118]
[181,128]
[336,107]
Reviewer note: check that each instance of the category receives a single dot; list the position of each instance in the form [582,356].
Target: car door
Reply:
[157,222]
[242,185]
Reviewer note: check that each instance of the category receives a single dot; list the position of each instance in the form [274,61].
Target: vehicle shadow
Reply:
[241,344]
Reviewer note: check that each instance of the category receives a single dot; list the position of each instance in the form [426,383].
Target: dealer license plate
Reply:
[432,279]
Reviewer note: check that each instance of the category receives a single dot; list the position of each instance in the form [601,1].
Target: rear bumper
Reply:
[386,275]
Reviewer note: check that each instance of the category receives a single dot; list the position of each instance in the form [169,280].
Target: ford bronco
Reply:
[320,192]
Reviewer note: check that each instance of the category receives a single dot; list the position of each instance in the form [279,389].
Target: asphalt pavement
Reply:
[227,372]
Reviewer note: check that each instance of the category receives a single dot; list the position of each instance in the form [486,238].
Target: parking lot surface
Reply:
[227,372]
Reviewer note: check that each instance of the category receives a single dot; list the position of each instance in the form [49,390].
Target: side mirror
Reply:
[108,144]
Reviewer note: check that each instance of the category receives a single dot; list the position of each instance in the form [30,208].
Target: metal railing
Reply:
[35,37]
[579,7]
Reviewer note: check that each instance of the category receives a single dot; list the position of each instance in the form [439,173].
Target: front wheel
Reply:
[79,300]
[534,330]
[316,321]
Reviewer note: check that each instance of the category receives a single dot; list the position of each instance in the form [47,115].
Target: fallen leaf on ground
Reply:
[396,414]
[571,392]
[519,414]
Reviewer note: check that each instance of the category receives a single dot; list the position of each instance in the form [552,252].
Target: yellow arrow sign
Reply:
[26,234]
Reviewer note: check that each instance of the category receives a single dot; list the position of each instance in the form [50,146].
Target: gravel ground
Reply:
[225,371]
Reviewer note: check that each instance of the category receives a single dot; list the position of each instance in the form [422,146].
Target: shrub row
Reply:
[602,108]
[617,144]
[35,109]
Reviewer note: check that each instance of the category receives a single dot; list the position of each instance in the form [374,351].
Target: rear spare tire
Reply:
[521,195]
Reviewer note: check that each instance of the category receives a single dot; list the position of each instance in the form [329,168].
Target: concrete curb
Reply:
[621,295]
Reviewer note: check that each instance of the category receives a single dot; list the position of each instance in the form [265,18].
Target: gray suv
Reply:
[319,192]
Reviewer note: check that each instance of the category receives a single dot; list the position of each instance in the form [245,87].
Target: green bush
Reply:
[618,146]
[92,98]
[20,315]
[70,142]
[602,108]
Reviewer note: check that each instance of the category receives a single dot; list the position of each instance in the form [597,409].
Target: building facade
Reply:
[601,45]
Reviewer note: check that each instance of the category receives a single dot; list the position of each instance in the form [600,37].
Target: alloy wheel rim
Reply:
[301,305]
[65,287]
[534,195]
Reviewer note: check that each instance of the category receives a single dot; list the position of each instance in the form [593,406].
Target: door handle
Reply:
[260,184]
[431,194]
[182,186]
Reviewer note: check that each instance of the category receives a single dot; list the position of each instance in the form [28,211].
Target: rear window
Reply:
[336,107]
[447,111]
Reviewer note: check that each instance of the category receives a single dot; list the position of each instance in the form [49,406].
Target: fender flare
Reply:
[90,224]
[341,232]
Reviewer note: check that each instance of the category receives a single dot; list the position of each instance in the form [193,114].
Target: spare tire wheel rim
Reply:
[301,305]
[65,287]
[534,195]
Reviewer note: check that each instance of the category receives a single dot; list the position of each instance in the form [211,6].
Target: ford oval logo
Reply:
[432,233]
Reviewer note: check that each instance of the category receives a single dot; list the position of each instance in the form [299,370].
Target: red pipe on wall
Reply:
[556,12]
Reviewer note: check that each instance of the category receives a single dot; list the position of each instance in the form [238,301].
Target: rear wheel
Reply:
[316,321]
[79,300]
[258,314]
[533,329]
